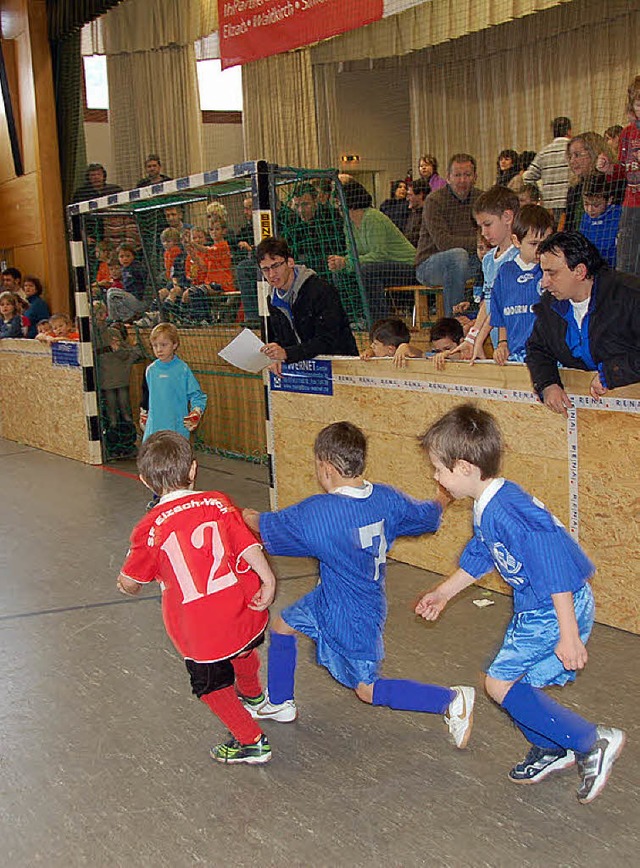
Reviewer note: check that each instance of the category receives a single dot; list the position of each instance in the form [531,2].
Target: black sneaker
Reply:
[595,766]
[234,752]
[541,762]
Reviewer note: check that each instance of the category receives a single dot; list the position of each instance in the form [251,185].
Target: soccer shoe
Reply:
[541,762]
[595,766]
[234,752]
[459,715]
[254,702]
[285,712]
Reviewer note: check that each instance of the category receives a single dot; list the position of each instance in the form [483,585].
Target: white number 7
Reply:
[367,535]
[173,550]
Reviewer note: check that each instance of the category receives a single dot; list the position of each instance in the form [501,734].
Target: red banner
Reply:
[251,29]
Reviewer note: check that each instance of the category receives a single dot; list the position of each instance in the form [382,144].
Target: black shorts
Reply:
[208,677]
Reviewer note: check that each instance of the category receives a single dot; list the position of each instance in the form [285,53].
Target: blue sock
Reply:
[412,695]
[282,667]
[536,738]
[531,707]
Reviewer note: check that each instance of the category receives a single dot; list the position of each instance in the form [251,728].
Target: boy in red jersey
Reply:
[216,587]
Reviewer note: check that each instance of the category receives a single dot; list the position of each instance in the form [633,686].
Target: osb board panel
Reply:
[41,404]
[609,509]
[536,457]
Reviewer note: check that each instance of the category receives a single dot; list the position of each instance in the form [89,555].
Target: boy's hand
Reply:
[501,354]
[571,652]
[367,354]
[144,415]
[430,606]
[443,497]
[192,421]
[604,164]
[264,596]
[461,307]
[251,518]
[128,586]
[401,355]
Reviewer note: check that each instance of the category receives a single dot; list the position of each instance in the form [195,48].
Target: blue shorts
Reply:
[301,616]
[528,648]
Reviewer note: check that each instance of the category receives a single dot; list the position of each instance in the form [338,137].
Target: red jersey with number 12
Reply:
[192,544]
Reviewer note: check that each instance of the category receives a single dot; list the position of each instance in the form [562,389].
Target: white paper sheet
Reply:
[244,352]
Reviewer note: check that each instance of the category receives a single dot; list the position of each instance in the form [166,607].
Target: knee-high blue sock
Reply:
[532,708]
[412,695]
[282,667]
[535,737]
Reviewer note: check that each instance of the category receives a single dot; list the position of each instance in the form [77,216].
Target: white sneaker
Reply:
[286,712]
[459,715]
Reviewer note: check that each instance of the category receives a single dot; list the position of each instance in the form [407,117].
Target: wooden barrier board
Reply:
[584,469]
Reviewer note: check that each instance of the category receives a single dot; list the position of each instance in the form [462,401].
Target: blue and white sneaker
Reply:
[541,762]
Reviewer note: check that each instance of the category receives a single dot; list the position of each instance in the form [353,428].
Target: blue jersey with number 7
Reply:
[350,532]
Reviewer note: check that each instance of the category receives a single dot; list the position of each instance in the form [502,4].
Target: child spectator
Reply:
[554,609]
[115,360]
[10,316]
[612,138]
[44,328]
[62,329]
[447,334]
[171,396]
[219,264]
[37,309]
[628,167]
[391,338]
[601,216]
[105,255]
[517,287]
[174,256]
[126,304]
[216,587]
[529,195]
[494,211]
[349,529]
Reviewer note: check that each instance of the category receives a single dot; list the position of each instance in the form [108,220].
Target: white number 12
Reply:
[173,550]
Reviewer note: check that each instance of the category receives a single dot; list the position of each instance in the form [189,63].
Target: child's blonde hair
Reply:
[166,329]
[217,209]
[60,317]
[170,234]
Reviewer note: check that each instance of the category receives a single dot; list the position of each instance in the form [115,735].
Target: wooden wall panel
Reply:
[41,404]
[536,456]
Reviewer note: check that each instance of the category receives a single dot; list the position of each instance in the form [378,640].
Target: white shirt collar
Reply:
[175,495]
[525,266]
[351,491]
[490,491]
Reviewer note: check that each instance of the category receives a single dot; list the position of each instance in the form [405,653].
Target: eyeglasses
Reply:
[267,269]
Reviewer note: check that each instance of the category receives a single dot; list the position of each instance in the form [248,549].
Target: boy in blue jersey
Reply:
[349,530]
[601,217]
[518,285]
[554,610]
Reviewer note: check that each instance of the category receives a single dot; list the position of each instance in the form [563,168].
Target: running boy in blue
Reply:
[518,285]
[549,574]
[349,530]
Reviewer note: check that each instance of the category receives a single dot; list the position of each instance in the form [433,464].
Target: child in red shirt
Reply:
[216,587]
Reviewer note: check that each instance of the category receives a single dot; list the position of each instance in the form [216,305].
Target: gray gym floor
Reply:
[104,753]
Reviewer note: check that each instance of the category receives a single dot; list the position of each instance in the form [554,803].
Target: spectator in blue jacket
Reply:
[601,216]
[37,307]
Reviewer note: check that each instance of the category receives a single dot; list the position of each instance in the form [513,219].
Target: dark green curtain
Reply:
[67,82]
[67,16]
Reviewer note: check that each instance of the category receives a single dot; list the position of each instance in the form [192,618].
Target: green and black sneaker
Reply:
[234,752]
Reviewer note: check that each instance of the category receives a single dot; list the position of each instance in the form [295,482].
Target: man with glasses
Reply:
[306,317]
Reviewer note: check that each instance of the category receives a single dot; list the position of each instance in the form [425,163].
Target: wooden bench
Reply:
[424,297]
